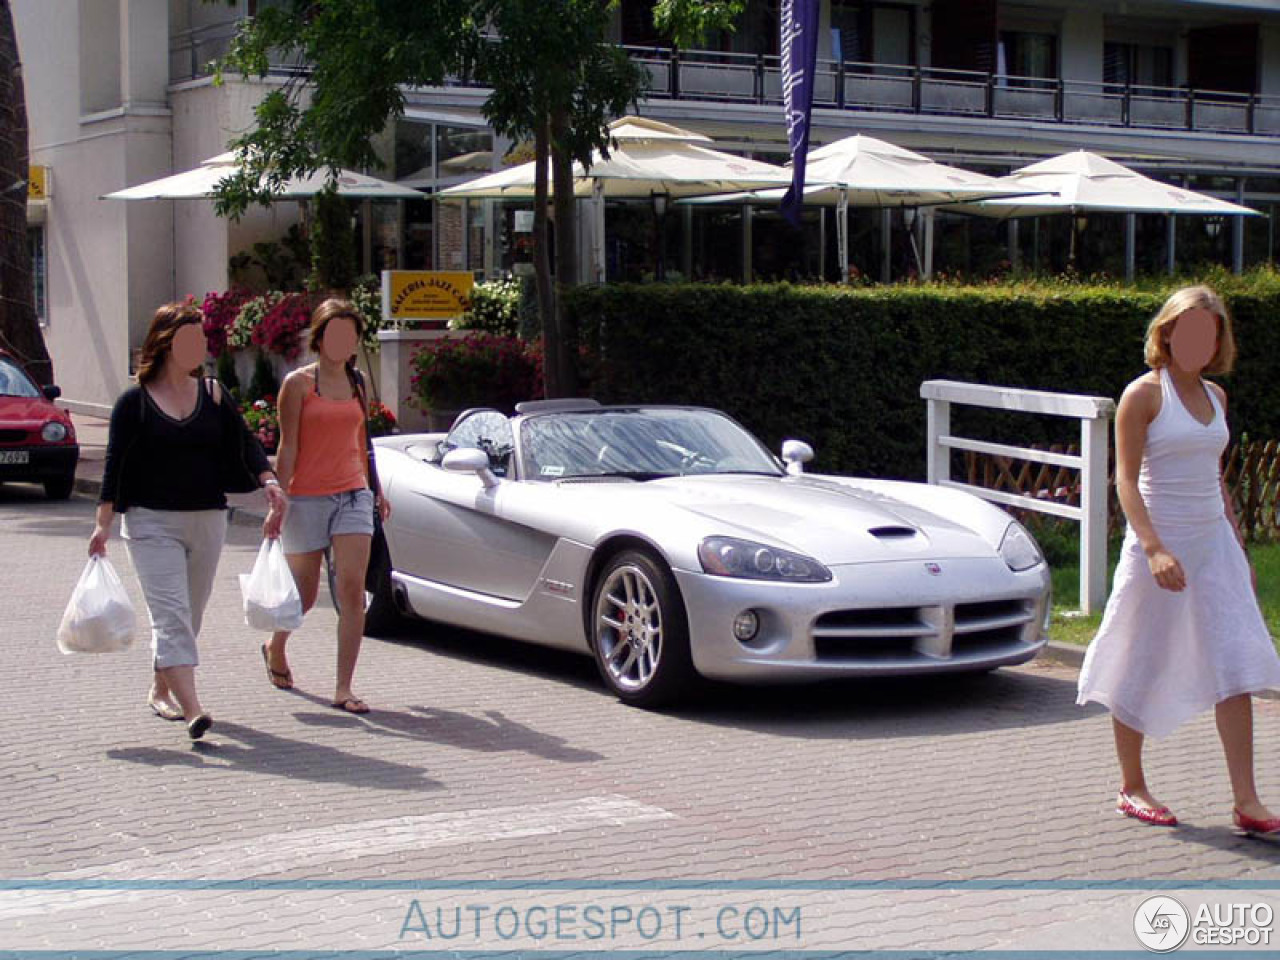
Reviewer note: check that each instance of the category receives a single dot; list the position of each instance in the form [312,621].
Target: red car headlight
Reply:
[54,431]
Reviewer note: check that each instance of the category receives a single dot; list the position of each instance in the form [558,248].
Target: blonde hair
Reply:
[1156,349]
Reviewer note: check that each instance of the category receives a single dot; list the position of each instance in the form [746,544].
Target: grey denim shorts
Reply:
[311,523]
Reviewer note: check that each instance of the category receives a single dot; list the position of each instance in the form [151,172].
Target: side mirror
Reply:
[795,454]
[470,460]
[51,392]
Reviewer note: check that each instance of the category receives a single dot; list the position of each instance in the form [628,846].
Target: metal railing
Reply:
[1094,414]
[706,75]
[747,78]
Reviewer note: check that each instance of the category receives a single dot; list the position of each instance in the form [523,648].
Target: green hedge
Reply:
[842,367]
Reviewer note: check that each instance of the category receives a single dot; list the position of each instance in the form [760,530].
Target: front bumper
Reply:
[877,619]
[43,462]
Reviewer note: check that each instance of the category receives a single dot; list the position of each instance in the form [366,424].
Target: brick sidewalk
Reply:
[994,777]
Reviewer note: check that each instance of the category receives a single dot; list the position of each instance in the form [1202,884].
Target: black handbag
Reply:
[371,466]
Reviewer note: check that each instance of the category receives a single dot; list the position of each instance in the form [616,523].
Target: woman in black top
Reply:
[175,445]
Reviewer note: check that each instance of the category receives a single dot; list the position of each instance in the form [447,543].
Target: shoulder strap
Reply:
[357,383]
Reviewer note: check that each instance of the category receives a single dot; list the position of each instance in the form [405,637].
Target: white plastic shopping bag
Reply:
[271,600]
[99,618]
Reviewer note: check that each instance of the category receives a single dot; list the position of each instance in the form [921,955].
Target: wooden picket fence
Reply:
[1252,475]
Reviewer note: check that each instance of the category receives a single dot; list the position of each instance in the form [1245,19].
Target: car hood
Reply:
[27,412]
[832,522]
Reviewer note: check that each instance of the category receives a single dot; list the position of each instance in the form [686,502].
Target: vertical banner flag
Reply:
[799,45]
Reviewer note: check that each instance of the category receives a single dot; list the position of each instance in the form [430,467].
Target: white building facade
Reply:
[119,92]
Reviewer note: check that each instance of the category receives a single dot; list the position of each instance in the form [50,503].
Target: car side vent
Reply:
[892,533]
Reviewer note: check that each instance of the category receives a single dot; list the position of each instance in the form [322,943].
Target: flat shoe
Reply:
[278,679]
[351,705]
[1253,827]
[198,727]
[165,710]
[1156,816]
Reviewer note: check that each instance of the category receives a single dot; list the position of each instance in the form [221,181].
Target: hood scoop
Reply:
[892,532]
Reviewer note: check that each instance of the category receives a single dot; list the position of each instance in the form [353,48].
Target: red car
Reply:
[37,440]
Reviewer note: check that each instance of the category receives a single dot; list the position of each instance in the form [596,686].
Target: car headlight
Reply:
[1019,549]
[54,432]
[731,557]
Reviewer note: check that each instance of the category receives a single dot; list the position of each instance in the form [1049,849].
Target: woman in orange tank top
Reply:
[322,464]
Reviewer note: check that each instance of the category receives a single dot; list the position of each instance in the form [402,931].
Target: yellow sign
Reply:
[429,294]
[37,183]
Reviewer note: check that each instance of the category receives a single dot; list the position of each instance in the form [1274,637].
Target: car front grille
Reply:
[13,436]
[923,633]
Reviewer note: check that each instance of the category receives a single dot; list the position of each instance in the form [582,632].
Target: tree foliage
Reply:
[555,80]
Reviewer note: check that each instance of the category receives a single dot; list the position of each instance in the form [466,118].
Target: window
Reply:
[486,430]
[1027,59]
[1139,65]
[864,32]
[39,270]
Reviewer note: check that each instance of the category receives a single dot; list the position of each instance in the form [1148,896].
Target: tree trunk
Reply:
[19,328]
[551,377]
[566,247]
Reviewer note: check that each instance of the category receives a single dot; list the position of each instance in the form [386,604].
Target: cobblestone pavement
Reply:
[486,760]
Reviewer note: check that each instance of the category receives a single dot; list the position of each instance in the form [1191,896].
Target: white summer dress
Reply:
[1161,657]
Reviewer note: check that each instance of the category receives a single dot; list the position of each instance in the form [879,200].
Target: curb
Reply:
[240,515]
[1072,655]
[1063,654]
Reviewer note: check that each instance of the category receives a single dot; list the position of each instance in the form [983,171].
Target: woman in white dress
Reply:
[1182,630]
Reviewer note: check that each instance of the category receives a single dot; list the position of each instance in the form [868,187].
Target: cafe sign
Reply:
[37,183]
[432,295]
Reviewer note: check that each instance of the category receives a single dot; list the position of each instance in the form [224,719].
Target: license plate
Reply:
[15,456]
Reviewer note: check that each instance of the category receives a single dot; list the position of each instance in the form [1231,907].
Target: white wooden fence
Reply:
[1094,414]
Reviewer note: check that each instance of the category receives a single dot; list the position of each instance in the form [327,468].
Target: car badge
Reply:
[934,569]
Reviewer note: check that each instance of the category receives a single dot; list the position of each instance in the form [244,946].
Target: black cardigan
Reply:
[234,467]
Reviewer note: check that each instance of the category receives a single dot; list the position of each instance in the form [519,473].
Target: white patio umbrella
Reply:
[648,158]
[201,181]
[862,171]
[1081,182]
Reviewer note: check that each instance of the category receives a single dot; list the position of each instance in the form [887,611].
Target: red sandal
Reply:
[1156,816]
[1253,827]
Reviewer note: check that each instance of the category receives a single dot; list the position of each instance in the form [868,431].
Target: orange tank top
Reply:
[331,447]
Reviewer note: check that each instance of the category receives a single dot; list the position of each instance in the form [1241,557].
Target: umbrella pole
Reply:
[915,251]
[1130,229]
[842,234]
[1170,242]
[886,238]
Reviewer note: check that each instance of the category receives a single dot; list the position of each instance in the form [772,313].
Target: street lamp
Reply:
[660,216]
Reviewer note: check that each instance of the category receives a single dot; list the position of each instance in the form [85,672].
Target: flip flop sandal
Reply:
[281,680]
[165,710]
[351,705]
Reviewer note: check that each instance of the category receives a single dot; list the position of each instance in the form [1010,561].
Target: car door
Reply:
[455,531]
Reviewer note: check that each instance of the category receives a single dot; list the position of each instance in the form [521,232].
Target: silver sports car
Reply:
[668,542]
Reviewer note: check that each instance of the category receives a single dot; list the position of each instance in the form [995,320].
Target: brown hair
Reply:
[331,309]
[169,319]
[1160,329]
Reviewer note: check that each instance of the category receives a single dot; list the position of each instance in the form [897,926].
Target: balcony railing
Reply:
[746,78]
[703,75]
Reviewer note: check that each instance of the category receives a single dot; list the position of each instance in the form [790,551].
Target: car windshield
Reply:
[15,383]
[643,444]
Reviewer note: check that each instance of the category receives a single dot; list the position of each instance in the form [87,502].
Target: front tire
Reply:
[60,489]
[640,632]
